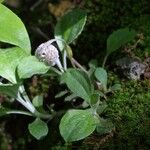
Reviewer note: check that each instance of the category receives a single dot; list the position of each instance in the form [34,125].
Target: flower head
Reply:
[47,53]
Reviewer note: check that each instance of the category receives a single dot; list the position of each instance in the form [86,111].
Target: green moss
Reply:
[130,111]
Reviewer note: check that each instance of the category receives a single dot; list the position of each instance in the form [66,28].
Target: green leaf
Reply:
[30,66]
[12,30]
[101,75]
[95,97]
[60,94]
[9,60]
[70,26]
[79,83]
[70,97]
[105,126]
[38,128]
[9,90]
[77,124]
[115,87]
[119,38]
[101,107]
[38,101]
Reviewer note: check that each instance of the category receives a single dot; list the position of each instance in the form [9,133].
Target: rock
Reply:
[132,68]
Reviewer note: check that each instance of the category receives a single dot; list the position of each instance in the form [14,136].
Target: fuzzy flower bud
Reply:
[47,53]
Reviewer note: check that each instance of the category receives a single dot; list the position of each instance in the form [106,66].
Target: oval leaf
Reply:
[79,83]
[77,124]
[12,30]
[9,60]
[101,75]
[38,101]
[119,38]
[70,26]
[30,66]
[38,128]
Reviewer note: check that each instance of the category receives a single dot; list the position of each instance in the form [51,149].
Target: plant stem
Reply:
[104,61]
[58,63]
[25,101]
[78,65]
[26,104]
[65,60]
[19,112]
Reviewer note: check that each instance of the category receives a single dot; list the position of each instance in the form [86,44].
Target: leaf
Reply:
[12,30]
[60,94]
[9,90]
[78,82]
[105,126]
[30,66]
[119,38]
[115,87]
[38,128]
[38,101]
[101,75]
[95,97]
[77,124]
[9,60]
[101,107]
[70,26]
[70,97]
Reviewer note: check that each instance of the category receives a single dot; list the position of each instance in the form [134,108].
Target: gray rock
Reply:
[132,68]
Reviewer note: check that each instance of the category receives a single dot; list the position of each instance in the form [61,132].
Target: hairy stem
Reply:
[78,65]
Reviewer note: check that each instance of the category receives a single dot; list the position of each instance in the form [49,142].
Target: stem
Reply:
[26,104]
[104,61]
[56,70]
[78,65]
[58,63]
[19,112]
[45,116]
[65,60]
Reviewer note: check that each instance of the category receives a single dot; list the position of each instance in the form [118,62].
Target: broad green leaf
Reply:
[79,83]
[105,126]
[38,101]
[70,26]
[38,128]
[30,66]
[9,60]
[101,75]
[12,30]
[9,90]
[119,38]
[77,124]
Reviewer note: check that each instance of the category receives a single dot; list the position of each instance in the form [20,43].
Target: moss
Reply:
[130,111]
